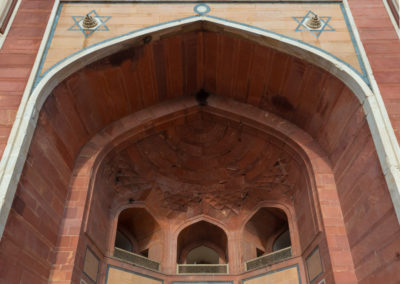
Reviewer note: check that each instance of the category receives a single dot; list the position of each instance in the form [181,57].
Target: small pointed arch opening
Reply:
[138,232]
[266,232]
[202,243]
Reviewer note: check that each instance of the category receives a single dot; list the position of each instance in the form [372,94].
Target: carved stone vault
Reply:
[204,160]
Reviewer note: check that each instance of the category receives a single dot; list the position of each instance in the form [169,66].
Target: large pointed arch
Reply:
[18,144]
[313,159]
[33,108]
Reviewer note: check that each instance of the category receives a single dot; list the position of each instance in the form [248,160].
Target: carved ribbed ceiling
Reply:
[204,159]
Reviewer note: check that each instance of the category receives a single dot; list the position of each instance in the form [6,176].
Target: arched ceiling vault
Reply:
[201,161]
[222,64]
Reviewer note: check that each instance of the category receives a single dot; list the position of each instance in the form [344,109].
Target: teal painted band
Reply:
[38,76]
[355,45]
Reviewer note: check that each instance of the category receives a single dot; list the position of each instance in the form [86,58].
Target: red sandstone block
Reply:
[73,212]
[327,194]
[8,248]
[31,278]
[360,157]
[342,115]
[58,275]
[338,242]
[382,47]
[66,108]
[341,258]
[16,229]
[33,264]
[36,5]
[332,204]
[64,257]
[8,59]
[58,206]
[43,198]
[333,221]
[9,273]
[31,217]
[60,126]
[67,267]
[7,117]
[386,62]
[12,85]
[36,245]
[331,212]
[374,237]
[375,22]
[81,178]
[50,132]
[73,227]
[64,242]
[321,165]
[388,76]
[370,206]
[335,230]
[345,277]
[26,32]
[49,230]
[390,91]
[376,11]
[378,260]
[47,174]
[389,274]
[77,195]
[10,100]
[325,179]
[21,44]
[32,18]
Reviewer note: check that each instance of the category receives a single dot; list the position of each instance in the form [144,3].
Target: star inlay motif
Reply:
[101,26]
[316,32]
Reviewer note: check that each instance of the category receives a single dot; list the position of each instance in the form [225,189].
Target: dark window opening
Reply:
[145,253]
[260,252]
[123,242]
[282,241]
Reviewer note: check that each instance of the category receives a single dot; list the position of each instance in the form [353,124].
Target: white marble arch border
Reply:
[15,153]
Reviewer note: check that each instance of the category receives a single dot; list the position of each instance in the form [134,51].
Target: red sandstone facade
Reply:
[332,190]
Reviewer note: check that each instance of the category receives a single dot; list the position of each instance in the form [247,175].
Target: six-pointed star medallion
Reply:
[316,32]
[101,24]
